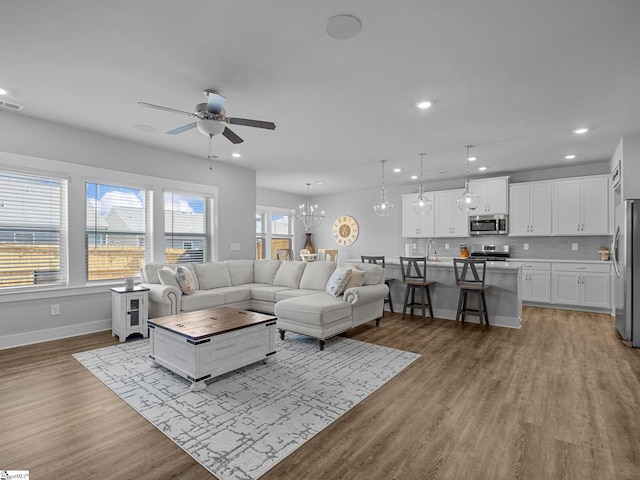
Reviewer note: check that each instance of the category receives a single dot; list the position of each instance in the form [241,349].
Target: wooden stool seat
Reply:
[379,260]
[414,275]
[470,276]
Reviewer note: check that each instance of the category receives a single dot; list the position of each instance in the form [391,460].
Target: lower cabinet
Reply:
[586,285]
[536,282]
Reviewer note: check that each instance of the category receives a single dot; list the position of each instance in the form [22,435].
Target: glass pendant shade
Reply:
[422,205]
[309,214]
[384,207]
[468,201]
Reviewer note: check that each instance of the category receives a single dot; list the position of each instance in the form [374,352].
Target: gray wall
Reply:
[34,144]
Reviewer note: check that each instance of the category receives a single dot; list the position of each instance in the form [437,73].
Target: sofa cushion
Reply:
[167,276]
[185,280]
[202,299]
[373,275]
[240,293]
[316,275]
[266,293]
[212,275]
[150,272]
[356,278]
[265,270]
[339,278]
[293,292]
[240,271]
[289,274]
[316,309]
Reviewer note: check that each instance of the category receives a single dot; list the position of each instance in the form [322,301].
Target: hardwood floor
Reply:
[559,398]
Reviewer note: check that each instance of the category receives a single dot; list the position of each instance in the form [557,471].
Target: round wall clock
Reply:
[345,230]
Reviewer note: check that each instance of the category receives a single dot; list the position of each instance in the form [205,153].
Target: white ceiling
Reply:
[512,77]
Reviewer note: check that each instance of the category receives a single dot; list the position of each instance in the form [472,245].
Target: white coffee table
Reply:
[207,343]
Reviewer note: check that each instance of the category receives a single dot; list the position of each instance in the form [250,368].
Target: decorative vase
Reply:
[308,243]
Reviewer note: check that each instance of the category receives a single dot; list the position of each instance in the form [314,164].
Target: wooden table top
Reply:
[212,321]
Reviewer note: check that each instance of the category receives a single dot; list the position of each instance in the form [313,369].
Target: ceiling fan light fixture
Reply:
[424,104]
[210,127]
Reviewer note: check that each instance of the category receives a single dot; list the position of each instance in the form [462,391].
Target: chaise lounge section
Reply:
[295,291]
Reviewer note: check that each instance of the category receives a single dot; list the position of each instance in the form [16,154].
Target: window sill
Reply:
[57,292]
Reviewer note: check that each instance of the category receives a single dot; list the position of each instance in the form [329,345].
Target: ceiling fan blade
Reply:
[231,136]
[184,128]
[167,109]
[252,123]
[215,102]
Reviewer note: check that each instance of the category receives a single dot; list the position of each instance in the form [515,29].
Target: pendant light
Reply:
[308,214]
[384,208]
[468,201]
[422,205]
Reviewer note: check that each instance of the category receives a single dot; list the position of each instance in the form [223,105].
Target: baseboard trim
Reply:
[39,336]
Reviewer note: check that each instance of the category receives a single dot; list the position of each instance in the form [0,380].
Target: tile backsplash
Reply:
[554,248]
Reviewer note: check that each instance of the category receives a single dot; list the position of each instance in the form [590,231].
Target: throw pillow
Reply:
[337,282]
[167,276]
[185,279]
[356,279]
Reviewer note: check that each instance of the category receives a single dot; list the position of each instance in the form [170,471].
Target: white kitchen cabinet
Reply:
[450,221]
[530,209]
[581,206]
[536,282]
[493,193]
[414,225]
[585,285]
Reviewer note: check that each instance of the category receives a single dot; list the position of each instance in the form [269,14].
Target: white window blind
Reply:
[117,227]
[188,222]
[33,230]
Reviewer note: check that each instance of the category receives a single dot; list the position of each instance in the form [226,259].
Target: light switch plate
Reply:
[235,246]
[526,246]
[574,246]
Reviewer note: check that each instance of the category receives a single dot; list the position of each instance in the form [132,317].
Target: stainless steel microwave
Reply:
[488,225]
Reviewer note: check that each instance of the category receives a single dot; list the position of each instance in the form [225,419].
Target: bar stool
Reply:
[470,279]
[379,260]
[414,275]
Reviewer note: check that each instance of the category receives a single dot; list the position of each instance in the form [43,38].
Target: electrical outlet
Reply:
[574,246]
[55,309]
[446,246]
[526,246]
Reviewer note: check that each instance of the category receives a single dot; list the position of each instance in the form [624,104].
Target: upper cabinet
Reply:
[414,225]
[581,206]
[530,209]
[450,221]
[494,193]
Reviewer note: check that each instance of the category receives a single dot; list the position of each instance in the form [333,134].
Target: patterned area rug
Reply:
[248,420]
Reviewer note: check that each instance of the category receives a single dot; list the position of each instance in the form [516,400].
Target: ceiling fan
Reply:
[212,118]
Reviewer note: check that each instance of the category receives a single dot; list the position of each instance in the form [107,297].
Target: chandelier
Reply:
[422,205]
[308,214]
[468,201]
[384,208]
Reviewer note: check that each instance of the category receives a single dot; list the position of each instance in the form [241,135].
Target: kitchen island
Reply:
[504,298]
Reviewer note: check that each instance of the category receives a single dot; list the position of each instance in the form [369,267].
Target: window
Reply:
[116,231]
[33,230]
[188,223]
[274,231]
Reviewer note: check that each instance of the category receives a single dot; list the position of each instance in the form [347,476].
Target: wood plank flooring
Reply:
[558,399]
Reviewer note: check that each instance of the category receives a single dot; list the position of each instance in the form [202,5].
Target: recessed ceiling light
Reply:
[482,169]
[414,177]
[397,170]
[580,131]
[236,155]
[3,91]
[343,27]
[144,128]
[424,104]
[472,159]
[570,157]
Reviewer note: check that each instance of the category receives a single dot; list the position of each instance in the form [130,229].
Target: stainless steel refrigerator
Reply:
[626,263]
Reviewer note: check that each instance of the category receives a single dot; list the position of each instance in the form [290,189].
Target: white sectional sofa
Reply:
[295,291]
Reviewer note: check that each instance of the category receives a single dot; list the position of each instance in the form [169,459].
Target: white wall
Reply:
[35,144]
